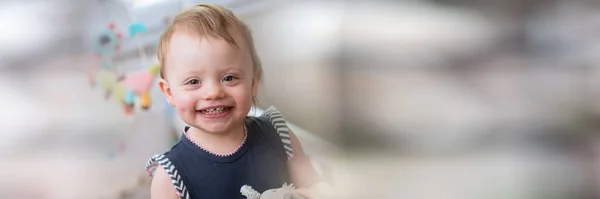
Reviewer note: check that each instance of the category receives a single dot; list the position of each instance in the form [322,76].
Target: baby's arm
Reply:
[304,175]
[301,171]
[162,188]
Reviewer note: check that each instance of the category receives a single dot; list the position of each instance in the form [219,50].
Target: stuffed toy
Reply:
[285,192]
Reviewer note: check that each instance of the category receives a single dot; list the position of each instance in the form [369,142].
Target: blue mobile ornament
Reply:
[136,28]
[108,42]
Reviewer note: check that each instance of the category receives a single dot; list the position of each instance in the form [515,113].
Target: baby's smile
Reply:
[215,111]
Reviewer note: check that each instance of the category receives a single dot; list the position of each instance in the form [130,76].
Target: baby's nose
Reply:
[213,92]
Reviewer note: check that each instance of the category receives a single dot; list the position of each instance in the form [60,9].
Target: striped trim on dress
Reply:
[276,119]
[163,161]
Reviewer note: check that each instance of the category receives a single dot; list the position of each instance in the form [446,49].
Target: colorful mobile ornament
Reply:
[129,88]
[108,42]
[136,28]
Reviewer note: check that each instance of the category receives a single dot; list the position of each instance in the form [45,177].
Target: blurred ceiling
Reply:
[35,30]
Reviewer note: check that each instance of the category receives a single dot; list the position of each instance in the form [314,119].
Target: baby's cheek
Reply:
[185,103]
[243,96]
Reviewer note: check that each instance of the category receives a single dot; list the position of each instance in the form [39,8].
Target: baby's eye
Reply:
[229,78]
[193,82]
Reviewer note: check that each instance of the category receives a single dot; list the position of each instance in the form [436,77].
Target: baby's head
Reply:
[209,68]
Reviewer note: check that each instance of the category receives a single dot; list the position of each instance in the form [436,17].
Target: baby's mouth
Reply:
[214,110]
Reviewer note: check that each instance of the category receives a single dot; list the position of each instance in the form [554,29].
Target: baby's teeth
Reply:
[214,109]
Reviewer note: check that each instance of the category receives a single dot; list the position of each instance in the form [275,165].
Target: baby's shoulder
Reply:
[271,123]
[271,116]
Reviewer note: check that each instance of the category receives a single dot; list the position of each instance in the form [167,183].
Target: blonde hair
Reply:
[210,20]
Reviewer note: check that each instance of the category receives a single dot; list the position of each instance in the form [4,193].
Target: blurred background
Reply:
[435,99]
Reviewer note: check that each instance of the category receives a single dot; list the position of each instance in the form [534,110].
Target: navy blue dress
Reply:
[260,162]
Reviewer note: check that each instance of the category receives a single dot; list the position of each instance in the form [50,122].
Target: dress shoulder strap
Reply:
[276,119]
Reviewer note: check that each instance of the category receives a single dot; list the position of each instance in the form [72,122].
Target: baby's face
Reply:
[209,81]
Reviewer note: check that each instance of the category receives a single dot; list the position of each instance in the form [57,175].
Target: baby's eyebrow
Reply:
[234,69]
[189,73]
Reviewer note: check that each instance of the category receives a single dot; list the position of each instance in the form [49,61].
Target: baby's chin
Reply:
[217,127]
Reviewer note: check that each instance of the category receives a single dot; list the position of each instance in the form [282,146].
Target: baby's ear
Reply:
[166,90]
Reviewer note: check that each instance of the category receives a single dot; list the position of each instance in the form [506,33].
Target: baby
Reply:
[211,74]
